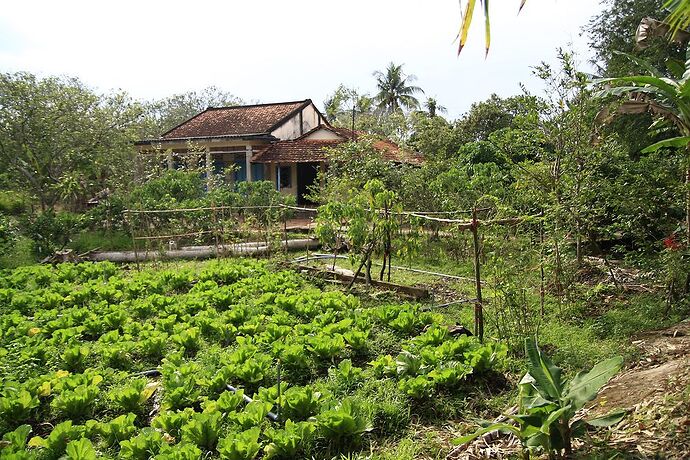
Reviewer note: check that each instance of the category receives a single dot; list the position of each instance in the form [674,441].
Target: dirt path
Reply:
[657,393]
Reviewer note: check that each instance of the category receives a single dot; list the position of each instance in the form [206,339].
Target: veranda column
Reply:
[209,169]
[248,164]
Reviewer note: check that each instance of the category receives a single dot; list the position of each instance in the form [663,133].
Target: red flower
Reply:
[671,243]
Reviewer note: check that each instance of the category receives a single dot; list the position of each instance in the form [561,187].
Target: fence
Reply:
[219,231]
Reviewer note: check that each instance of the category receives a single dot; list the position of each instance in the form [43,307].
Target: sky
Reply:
[277,50]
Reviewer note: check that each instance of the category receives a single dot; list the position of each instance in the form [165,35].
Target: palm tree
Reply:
[433,108]
[394,91]
[664,97]
[679,18]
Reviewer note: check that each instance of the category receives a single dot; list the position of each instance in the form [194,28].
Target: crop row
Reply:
[96,359]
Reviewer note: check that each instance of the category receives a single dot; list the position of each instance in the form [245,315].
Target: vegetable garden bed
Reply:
[75,340]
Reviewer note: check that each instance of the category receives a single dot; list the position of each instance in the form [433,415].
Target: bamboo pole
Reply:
[478,309]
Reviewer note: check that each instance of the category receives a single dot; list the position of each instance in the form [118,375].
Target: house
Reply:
[285,143]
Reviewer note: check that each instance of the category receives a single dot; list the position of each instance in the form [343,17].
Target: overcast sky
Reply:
[277,50]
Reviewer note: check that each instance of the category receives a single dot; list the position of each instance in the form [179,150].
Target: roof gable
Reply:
[241,120]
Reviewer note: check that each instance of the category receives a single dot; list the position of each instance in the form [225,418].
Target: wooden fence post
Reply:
[478,306]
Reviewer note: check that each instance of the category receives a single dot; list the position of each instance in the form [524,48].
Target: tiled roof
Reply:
[236,121]
[296,151]
[303,150]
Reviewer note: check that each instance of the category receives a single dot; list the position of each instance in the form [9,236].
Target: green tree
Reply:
[166,113]
[433,108]
[493,114]
[613,30]
[667,99]
[395,93]
[60,141]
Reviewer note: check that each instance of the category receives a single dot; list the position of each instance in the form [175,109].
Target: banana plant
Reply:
[548,404]
[666,98]
[468,14]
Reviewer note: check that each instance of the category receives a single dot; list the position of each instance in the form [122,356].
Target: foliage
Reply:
[548,403]
[240,446]
[61,141]
[394,91]
[343,422]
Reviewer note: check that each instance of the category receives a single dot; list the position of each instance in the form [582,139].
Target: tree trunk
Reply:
[687,204]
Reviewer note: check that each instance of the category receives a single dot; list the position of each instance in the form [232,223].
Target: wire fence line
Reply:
[264,229]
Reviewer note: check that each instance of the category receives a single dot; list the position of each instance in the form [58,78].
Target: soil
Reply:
[655,392]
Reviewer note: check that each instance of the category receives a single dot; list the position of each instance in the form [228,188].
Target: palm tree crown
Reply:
[394,91]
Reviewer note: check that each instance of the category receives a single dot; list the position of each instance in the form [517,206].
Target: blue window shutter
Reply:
[241,172]
[257,171]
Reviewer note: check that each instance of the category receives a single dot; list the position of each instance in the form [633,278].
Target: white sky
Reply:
[278,50]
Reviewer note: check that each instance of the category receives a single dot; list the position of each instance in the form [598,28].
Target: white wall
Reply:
[291,129]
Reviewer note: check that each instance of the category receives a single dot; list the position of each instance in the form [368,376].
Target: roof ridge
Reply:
[262,104]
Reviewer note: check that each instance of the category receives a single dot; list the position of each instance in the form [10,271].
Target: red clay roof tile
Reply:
[303,150]
[235,121]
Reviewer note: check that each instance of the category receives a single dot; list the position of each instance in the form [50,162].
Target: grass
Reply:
[21,254]
[102,240]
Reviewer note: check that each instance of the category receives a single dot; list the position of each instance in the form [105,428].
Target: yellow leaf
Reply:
[37,441]
[61,374]
[149,390]
[96,379]
[33,331]
[466,21]
[44,389]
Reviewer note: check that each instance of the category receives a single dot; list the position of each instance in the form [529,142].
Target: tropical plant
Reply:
[467,21]
[395,92]
[548,404]
[665,98]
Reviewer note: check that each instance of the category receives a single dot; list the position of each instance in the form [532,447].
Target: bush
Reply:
[169,190]
[12,203]
[8,234]
[52,231]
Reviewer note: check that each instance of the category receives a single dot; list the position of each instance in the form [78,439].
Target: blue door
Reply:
[257,171]
[241,171]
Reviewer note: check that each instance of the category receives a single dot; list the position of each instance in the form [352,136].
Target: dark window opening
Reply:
[285,176]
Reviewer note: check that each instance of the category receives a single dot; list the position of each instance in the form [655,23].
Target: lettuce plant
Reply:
[327,347]
[289,442]
[343,422]
[252,415]
[76,403]
[56,443]
[143,446]
[240,446]
[300,403]
[171,422]
[81,449]
[132,397]
[227,402]
[14,442]
[203,430]
[417,387]
[16,404]
[118,429]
